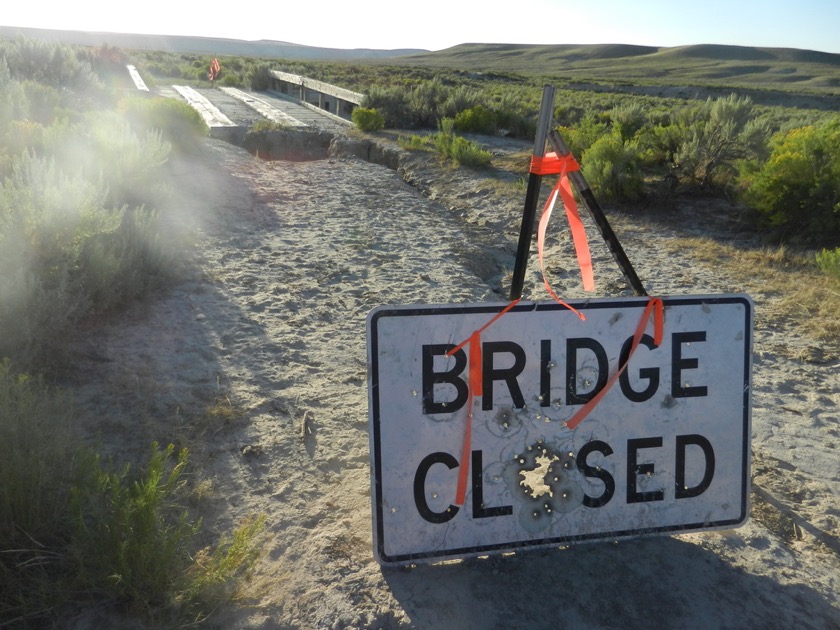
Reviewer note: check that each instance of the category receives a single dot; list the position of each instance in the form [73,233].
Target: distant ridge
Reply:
[614,67]
[491,56]
[203,45]
[746,53]
[599,52]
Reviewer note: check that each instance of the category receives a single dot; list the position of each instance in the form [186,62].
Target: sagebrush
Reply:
[74,524]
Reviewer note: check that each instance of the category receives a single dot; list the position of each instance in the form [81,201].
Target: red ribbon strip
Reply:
[654,306]
[475,387]
[553,164]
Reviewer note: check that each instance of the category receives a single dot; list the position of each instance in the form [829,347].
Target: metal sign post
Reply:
[532,195]
[559,146]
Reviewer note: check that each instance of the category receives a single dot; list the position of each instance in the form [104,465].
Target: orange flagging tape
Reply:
[552,164]
[475,387]
[546,215]
[654,306]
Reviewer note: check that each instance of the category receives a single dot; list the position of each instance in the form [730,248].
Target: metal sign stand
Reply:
[597,214]
[532,196]
[581,186]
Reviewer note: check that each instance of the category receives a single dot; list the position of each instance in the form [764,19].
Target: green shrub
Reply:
[231,79]
[476,119]
[24,135]
[798,188]
[425,103]
[612,168]
[259,77]
[367,119]
[415,142]
[515,124]
[130,161]
[135,540]
[78,184]
[46,218]
[584,135]
[419,105]
[132,537]
[35,461]
[36,464]
[391,103]
[829,262]
[659,144]
[73,526]
[457,148]
[44,102]
[627,119]
[513,116]
[50,63]
[467,153]
[215,572]
[709,139]
[569,115]
[458,100]
[13,103]
[75,235]
[179,124]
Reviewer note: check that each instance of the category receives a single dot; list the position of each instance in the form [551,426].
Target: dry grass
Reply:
[223,411]
[518,162]
[792,287]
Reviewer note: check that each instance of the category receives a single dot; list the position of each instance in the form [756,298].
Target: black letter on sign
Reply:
[479,511]
[633,469]
[572,346]
[451,377]
[420,488]
[682,492]
[651,374]
[591,471]
[508,375]
[545,374]
[678,364]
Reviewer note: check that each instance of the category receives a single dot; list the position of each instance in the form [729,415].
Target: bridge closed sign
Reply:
[664,449]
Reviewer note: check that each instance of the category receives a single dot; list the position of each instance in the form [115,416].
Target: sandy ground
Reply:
[258,362]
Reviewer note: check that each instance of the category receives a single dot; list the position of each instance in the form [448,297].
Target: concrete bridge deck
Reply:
[294,101]
[209,112]
[264,108]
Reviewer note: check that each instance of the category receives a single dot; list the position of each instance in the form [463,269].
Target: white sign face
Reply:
[666,450]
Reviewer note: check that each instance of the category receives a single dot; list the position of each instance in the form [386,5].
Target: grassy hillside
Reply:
[200,45]
[780,69]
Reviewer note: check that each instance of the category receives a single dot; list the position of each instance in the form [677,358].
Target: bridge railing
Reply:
[331,98]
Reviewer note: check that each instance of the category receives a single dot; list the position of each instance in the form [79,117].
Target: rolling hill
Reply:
[769,75]
[704,65]
[203,45]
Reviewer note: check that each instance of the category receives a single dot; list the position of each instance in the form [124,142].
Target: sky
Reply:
[439,24]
